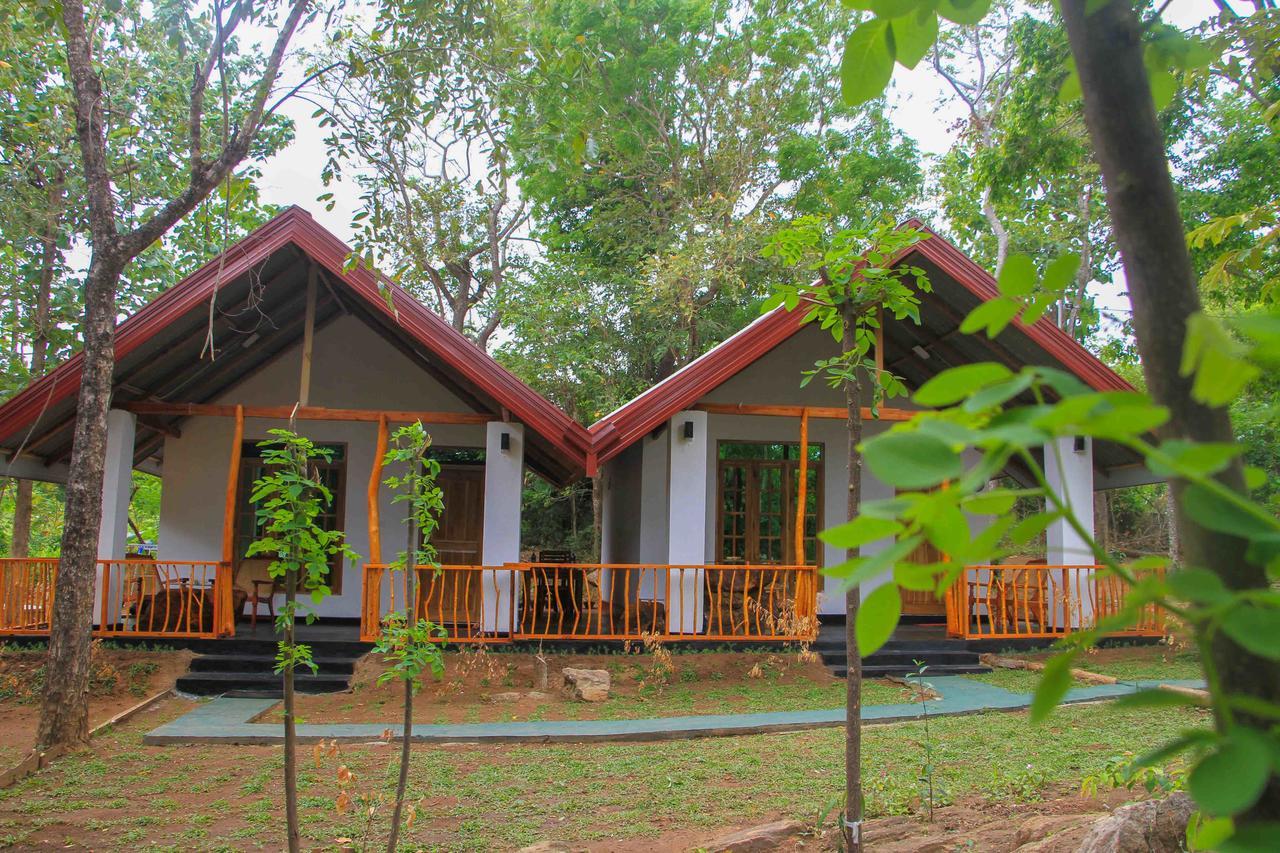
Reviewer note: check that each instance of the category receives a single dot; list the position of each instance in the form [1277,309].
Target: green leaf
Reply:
[1206,833]
[1192,458]
[893,8]
[867,64]
[1017,276]
[1053,686]
[1216,361]
[1258,837]
[913,35]
[1061,272]
[1070,92]
[1217,513]
[861,569]
[964,11]
[948,530]
[911,460]
[878,615]
[998,394]
[1255,477]
[1256,629]
[1197,585]
[1231,778]
[955,383]
[992,315]
[860,531]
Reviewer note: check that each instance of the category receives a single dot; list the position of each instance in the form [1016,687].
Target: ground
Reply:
[992,771]
[120,679]
[694,683]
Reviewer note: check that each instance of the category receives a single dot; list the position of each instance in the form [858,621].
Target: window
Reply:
[332,473]
[757,487]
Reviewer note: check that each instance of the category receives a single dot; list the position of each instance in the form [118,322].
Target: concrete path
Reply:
[228,720]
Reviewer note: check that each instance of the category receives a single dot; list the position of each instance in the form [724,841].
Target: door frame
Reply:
[751,519]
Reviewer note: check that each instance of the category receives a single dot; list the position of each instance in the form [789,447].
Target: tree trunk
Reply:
[64,709]
[20,544]
[410,619]
[997,228]
[852,828]
[1126,134]
[294,834]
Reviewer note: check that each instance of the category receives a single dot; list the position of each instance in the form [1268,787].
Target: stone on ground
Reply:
[587,685]
[548,847]
[756,839]
[1150,826]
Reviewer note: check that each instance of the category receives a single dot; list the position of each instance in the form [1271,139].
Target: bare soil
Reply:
[482,686]
[120,679]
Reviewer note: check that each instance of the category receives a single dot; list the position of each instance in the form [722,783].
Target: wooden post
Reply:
[803,487]
[375,478]
[308,337]
[233,486]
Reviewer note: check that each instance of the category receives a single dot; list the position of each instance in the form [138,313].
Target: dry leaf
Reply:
[342,802]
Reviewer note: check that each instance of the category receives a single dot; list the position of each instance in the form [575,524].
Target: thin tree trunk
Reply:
[290,724]
[852,828]
[20,543]
[1126,134]
[411,619]
[997,228]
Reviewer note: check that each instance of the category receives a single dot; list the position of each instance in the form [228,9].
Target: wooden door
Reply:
[920,603]
[453,598]
[756,511]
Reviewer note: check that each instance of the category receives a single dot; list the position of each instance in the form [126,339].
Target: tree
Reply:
[289,499]
[857,284]
[423,119]
[1124,67]
[120,228]
[412,644]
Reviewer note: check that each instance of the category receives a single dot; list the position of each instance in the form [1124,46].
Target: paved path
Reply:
[228,720]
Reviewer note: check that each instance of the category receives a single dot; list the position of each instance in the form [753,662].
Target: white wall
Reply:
[353,367]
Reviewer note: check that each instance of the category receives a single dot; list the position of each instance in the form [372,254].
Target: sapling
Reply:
[290,498]
[412,645]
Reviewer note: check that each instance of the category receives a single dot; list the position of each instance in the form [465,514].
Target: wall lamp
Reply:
[504,441]
[688,430]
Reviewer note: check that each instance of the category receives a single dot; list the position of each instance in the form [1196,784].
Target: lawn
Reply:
[1137,662]
[125,796]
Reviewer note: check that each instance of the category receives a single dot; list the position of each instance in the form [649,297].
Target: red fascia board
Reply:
[619,430]
[296,226]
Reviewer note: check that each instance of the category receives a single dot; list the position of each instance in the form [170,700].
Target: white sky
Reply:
[918,103]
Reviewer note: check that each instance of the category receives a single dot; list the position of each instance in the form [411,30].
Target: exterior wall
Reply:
[621,536]
[352,367]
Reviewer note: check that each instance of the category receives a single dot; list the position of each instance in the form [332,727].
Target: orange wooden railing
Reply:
[595,601]
[1038,601]
[133,598]
[471,603]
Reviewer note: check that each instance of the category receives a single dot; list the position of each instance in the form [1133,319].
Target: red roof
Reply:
[619,429]
[295,226]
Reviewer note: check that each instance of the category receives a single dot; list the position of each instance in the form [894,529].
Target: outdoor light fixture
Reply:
[688,430]
[504,441]
[1079,445]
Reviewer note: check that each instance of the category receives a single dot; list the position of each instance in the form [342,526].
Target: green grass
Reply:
[1015,680]
[573,792]
[1179,665]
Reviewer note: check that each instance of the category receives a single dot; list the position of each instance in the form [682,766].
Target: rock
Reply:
[516,696]
[1150,826]
[588,685]
[1040,827]
[547,847]
[756,839]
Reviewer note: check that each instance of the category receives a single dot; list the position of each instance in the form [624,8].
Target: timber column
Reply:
[503,486]
[117,487]
[687,520]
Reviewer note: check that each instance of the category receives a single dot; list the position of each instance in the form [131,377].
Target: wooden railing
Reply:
[133,598]
[472,603]
[1038,601]
[593,601]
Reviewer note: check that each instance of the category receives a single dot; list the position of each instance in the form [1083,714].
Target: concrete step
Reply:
[266,663]
[879,671]
[257,683]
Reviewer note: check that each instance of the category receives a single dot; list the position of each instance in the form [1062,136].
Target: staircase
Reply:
[246,667]
[927,643]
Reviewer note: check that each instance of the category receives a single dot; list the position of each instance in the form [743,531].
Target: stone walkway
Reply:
[229,720]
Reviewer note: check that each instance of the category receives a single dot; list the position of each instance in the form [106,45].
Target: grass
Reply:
[564,792]
[1175,665]
[1015,680]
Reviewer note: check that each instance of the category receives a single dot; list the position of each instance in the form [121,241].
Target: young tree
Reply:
[857,284]
[1124,65]
[120,228]
[412,644]
[289,499]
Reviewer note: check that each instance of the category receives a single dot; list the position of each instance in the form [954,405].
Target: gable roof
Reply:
[1042,341]
[173,324]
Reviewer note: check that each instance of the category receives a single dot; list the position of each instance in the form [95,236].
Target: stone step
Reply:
[328,665]
[879,671]
[257,683]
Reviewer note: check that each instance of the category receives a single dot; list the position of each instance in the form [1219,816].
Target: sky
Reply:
[918,106]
